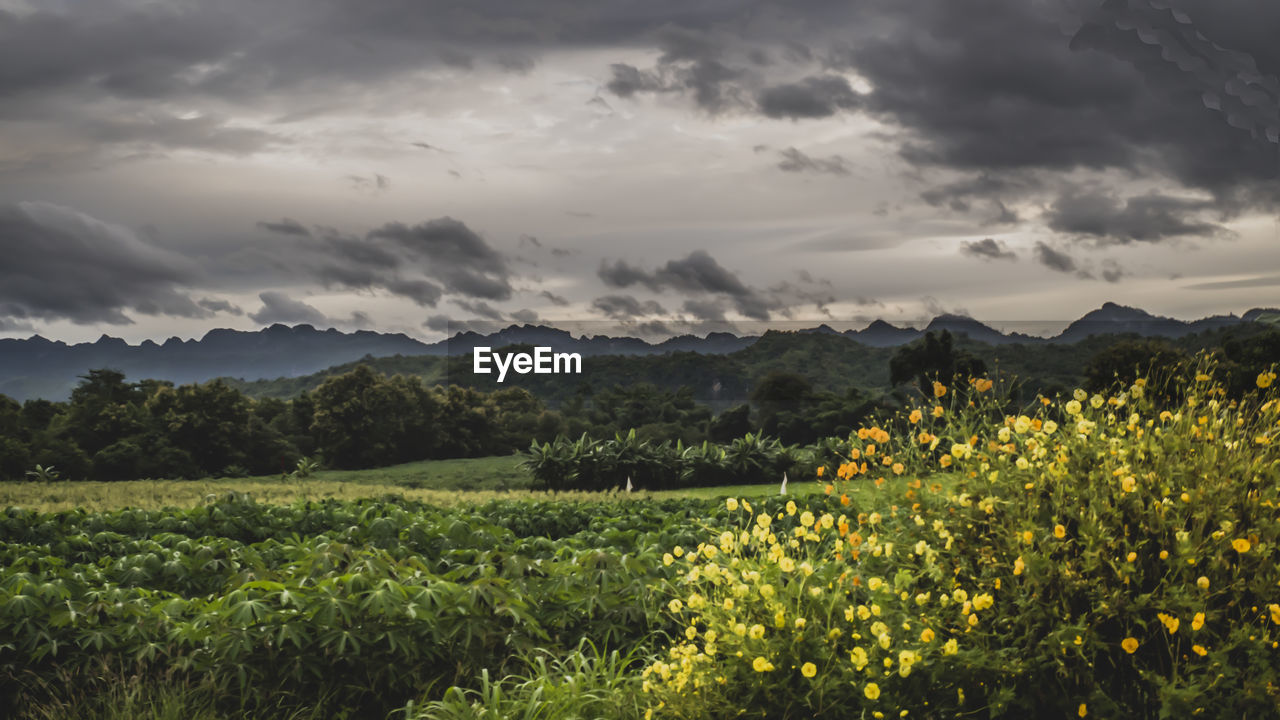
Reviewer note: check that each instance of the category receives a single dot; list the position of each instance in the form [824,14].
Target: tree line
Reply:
[112,429]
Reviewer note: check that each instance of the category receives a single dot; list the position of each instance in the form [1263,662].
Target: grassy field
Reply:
[440,482]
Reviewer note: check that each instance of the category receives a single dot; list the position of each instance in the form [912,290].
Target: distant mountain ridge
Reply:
[39,368]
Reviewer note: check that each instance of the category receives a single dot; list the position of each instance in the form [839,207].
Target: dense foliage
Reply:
[587,464]
[1103,555]
[382,602]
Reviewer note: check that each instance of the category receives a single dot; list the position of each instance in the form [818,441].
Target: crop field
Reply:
[1106,555]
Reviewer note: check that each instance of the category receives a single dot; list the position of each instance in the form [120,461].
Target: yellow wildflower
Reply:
[1130,645]
[808,670]
[872,691]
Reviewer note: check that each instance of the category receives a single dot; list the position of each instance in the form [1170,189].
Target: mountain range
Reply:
[39,368]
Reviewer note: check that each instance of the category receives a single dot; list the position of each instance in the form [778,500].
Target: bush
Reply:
[1099,557]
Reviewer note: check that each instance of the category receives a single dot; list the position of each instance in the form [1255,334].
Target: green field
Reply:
[1104,557]
[440,482]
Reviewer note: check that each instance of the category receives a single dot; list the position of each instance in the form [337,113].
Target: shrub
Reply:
[1099,557]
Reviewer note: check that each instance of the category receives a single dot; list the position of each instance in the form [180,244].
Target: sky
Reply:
[658,166]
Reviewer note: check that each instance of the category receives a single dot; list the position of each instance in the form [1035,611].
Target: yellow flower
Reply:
[806,519]
[1275,613]
[732,504]
[945,461]
[873,584]
[1202,582]
[791,507]
[938,411]
[786,564]
[1265,379]
[858,657]
[1131,556]
[1199,650]
[675,606]
[1027,536]
[756,632]
[950,647]
[1170,622]
[1083,710]
[939,389]
[808,670]
[1073,407]
[1130,645]
[761,665]
[667,559]
[1197,622]
[872,691]
[1240,545]
[926,636]
[1059,531]
[1018,566]
[915,416]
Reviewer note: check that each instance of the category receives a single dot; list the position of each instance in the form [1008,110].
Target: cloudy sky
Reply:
[167,167]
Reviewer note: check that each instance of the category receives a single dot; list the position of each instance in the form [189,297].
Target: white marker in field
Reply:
[629,483]
[783,489]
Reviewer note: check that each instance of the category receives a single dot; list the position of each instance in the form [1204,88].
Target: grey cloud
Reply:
[622,274]
[554,298]
[59,263]
[439,323]
[988,249]
[812,97]
[705,310]
[161,131]
[697,273]
[278,307]
[10,325]
[480,309]
[286,226]
[525,316]
[422,292]
[1112,272]
[1144,218]
[626,307]
[453,255]
[1054,259]
[795,161]
[215,305]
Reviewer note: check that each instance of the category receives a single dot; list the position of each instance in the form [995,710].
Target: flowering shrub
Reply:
[1099,555]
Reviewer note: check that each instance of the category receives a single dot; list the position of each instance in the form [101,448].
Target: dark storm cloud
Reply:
[215,305]
[705,310]
[454,255]
[439,323]
[62,264]
[622,274]
[1005,89]
[1054,259]
[988,249]
[812,97]
[696,274]
[422,292]
[278,307]
[1144,218]
[626,307]
[795,161]
[286,226]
